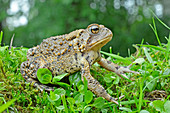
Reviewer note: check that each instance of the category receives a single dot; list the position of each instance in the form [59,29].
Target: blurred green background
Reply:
[33,20]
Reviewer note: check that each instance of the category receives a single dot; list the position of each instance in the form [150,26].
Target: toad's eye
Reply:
[94,29]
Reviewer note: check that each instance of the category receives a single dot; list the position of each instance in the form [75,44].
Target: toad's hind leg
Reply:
[93,84]
[29,73]
[40,86]
[28,70]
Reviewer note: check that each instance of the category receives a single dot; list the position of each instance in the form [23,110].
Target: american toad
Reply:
[76,51]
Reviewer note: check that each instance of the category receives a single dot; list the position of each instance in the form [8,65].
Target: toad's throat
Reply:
[100,43]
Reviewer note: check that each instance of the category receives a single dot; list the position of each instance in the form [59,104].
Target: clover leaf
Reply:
[44,75]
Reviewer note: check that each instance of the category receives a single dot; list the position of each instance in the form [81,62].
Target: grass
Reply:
[147,92]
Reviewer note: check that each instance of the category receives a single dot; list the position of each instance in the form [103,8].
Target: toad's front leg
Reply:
[93,84]
[115,68]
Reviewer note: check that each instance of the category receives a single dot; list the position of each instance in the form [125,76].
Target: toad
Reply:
[69,53]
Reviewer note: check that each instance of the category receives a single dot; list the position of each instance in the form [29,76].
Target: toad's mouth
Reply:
[100,43]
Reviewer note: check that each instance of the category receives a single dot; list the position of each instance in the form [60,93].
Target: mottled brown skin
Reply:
[76,51]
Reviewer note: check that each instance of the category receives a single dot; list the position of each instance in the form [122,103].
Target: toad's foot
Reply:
[119,70]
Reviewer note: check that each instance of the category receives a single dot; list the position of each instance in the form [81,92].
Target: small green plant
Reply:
[45,77]
[161,106]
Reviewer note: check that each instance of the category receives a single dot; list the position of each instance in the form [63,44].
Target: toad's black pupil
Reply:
[95,28]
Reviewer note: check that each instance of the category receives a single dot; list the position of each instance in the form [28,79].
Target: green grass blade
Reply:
[168,48]
[139,51]
[116,57]
[5,106]
[124,102]
[148,55]
[64,103]
[160,20]
[155,31]
[154,47]
[110,49]
[140,95]
[1,38]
